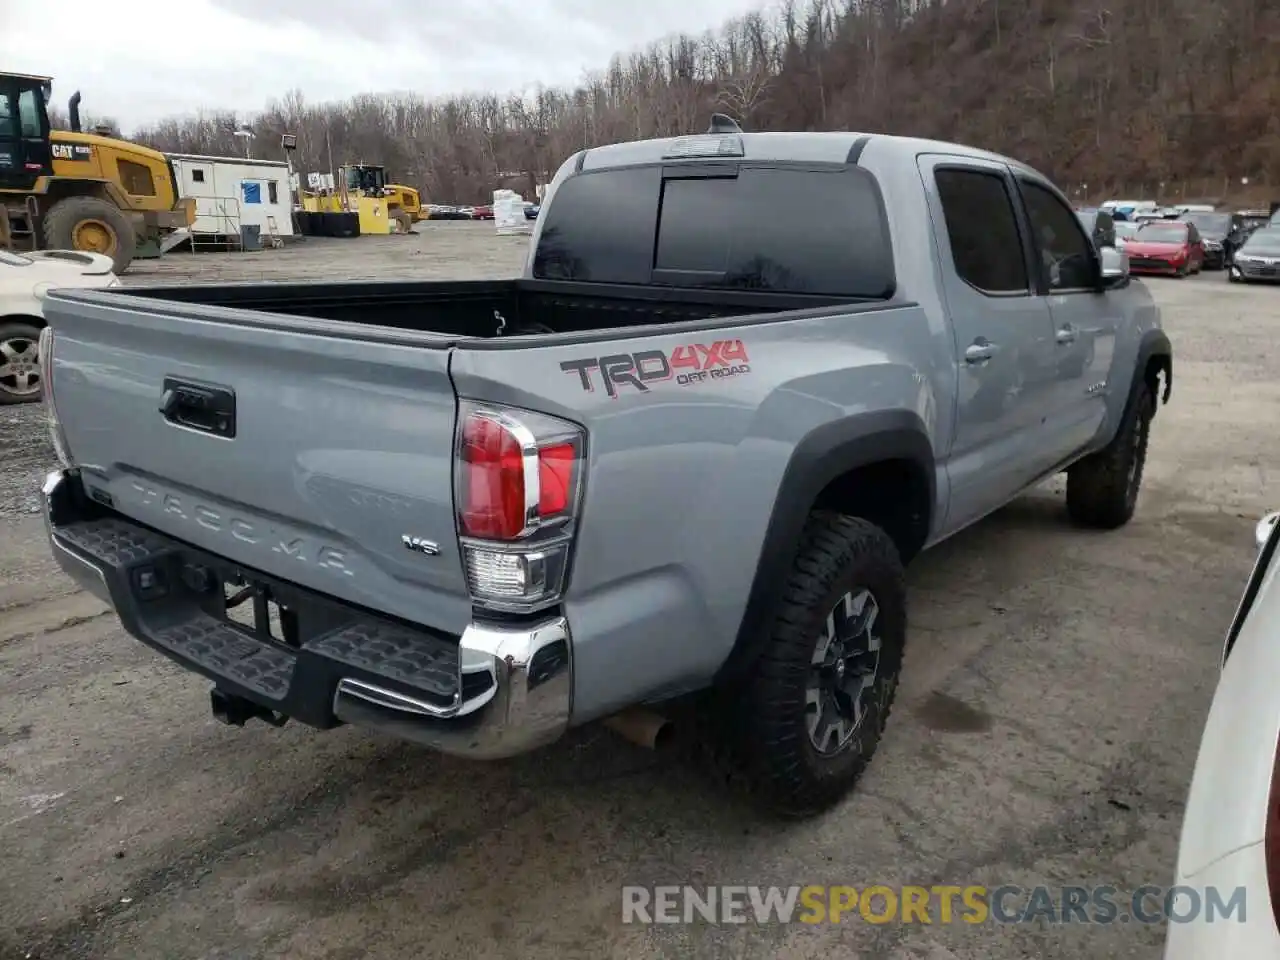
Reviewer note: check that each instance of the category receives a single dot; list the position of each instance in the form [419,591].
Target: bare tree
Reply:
[744,95]
[1095,91]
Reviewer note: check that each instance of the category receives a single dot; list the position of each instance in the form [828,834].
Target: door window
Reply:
[983,230]
[1066,254]
[29,115]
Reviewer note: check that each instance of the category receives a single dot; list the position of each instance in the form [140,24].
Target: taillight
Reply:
[518,487]
[57,438]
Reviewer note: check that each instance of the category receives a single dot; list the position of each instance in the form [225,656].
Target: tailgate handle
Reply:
[199,406]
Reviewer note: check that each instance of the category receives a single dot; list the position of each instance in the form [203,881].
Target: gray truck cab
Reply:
[745,380]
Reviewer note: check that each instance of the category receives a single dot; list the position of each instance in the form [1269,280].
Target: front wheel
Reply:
[1102,489]
[807,720]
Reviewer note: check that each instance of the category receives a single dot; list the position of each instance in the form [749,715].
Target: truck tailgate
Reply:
[342,447]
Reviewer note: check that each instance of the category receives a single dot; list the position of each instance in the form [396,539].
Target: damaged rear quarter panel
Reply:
[684,466]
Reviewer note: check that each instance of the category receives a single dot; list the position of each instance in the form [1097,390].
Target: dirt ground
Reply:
[1054,692]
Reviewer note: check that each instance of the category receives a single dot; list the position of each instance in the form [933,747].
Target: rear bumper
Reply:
[496,691]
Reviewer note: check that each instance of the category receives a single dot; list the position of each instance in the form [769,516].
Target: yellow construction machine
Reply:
[369,181]
[71,190]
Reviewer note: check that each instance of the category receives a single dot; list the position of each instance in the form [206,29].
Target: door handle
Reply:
[199,406]
[1066,335]
[980,351]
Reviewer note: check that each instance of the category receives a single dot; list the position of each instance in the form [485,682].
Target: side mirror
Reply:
[1114,267]
[1262,532]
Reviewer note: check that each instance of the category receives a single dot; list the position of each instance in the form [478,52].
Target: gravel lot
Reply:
[1053,697]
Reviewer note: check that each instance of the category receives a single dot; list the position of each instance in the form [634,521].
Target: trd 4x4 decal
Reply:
[687,364]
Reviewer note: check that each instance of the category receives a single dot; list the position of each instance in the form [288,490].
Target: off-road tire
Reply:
[61,221]
[1102,489]
[28,334]
[760,736]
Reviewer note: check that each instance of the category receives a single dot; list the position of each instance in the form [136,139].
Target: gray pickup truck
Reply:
[744,380]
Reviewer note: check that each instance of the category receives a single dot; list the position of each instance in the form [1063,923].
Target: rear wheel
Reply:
[19,362]
[91,225]
[806,722]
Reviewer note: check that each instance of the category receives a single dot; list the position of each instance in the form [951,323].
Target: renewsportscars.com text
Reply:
[937,904]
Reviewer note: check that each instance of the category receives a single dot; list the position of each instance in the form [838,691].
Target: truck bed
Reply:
[479,308]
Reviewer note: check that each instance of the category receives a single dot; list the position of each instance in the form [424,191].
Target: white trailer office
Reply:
[231,192]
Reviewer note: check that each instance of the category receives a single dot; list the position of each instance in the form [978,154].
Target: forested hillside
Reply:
[1099,92]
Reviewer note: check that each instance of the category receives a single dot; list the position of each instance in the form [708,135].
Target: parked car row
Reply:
[1180,241]
[443,211]
[440,211]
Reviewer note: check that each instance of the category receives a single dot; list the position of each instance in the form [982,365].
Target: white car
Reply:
[24,278]
[1125,229]
[1231,828]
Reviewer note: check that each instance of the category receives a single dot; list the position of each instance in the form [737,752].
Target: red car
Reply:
[1166,246]
[483,213]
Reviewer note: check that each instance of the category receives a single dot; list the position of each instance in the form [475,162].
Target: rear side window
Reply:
[983,230]
[774,229]
[599,228]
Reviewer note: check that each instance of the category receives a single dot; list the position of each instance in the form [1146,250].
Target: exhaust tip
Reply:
[644,728]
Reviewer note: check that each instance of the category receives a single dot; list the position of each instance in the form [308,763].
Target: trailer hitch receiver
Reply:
[237,711]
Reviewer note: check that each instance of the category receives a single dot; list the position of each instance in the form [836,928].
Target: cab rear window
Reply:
[764,228]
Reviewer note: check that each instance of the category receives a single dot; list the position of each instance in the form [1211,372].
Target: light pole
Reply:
[245,134]
[289,143]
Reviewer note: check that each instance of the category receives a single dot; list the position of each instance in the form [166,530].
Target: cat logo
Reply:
[71,151]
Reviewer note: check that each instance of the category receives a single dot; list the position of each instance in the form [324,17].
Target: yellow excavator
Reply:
[71,190]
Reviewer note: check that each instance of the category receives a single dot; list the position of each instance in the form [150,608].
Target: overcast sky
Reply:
[140,60]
